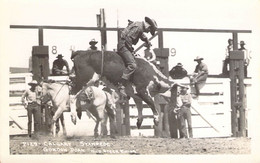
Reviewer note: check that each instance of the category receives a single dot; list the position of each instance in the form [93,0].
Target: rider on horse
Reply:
[129,36]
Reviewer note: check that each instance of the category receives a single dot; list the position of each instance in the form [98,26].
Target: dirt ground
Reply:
[128,145]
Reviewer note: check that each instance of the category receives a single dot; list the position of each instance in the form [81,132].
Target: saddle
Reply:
[87,95]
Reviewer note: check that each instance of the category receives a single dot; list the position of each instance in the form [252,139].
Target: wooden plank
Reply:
[17,80]
[117,29]
[16,93]
[144,116]
[146,111]
[142,127]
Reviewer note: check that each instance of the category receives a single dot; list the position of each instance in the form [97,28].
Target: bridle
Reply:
[49,96]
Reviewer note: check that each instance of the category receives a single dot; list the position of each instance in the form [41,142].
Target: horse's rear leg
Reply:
[111,115]
[149,101]
[56,116]
[96,128]
[63,125]
[139,106]
[104,125]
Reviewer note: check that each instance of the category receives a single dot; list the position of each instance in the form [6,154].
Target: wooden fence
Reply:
[17,113]
[212,117]
[211,113]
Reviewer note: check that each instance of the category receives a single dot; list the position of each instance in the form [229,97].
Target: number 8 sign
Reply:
[54,50]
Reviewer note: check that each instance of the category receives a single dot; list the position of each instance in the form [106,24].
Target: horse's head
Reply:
[45,92]
[82,68]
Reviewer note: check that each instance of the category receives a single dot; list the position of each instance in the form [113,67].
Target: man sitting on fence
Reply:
[199,76]
[58,65]
[178,72]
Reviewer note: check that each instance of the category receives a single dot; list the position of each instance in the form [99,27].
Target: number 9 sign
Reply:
[173,52]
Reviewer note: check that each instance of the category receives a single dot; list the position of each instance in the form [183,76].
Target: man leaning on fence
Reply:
[31,100]
[184,113]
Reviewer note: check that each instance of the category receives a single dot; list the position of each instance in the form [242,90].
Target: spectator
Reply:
[247,56]
[199,76]
[184,112]
[178,72]
[225,71]
[92,44]
[31,99]
[58,65]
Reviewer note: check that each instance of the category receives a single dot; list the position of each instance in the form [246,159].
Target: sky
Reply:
[201,14]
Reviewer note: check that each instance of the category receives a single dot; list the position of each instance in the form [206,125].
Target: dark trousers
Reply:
[245,71]
[128,58]
[225,66]
[185,114]
[34,110]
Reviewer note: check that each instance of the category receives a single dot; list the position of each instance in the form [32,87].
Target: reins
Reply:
[58,92]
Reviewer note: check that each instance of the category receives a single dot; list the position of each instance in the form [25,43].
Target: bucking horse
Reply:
[92,99]
[146,82]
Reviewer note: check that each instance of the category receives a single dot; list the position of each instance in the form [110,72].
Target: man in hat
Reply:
[184,100]
[58,64]
[200,75]
[178,72]
[227,60]
[92,44]
[31,99]
[247,56]
[130,36]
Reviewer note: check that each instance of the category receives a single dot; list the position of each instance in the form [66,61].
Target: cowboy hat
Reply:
[242,43]
[198,58]
[93,42]
[34,82]
[179,64]
[152,23]
[60,55]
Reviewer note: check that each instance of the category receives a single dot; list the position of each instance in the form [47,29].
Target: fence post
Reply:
[173,123]
[237,93]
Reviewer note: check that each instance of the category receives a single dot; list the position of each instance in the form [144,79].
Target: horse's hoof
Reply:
[139,123]
[113,136]
[95,135]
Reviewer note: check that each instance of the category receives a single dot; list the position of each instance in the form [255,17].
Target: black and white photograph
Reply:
[134,81]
